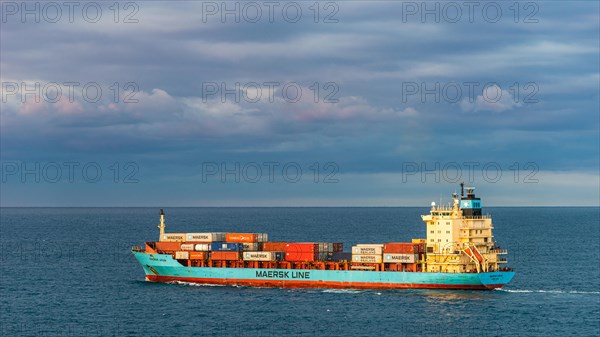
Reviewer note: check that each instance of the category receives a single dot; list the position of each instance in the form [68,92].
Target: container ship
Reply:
[459,252]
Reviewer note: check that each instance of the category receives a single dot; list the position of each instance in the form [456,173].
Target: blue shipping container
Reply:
[339,256]
[226,246]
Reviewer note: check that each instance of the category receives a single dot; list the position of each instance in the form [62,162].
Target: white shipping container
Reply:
[367,258]
[323,256]
[187,246]
[400,258]
[206,237]
[260,256]
[173,237]
[263,237]
[182,255]
[202,247]
[367,249]
[252,246]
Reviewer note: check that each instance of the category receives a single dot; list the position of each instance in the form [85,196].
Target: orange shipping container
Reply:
[241,237]
[167,246]
[400,247]
[198,255]
[274,246]
[225,256]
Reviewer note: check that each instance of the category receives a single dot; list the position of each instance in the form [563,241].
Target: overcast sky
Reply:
[347,103]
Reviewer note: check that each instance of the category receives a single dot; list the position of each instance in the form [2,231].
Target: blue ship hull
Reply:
[163,268]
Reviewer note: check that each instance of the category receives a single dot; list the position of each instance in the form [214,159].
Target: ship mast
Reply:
[161,226]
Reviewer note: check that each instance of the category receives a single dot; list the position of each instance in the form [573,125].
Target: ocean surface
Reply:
[69,272]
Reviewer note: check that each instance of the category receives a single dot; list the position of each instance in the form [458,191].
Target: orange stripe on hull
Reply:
[319,284]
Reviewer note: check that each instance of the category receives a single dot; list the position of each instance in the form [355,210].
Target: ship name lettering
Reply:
[283,274]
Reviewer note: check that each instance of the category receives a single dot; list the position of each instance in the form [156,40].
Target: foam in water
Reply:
[549,291]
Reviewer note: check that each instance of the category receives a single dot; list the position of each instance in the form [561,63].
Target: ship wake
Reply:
[550,291]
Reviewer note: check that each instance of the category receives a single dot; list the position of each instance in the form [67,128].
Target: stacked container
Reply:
[339,256]
[168,246]
[173,237]
[241,237]
[251,246]
[400,252]
[187,246]
[199,255]
[205,237]
[263,256]
[202,247]
[225,255]
[302,251]
[226,246]
[367,253]
[274,246]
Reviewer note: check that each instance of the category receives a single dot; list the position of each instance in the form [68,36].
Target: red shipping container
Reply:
[338,247]
[198,255]
[241,237]
[420,247]
[225,256]
[302,251]
[400,248]
[274,246]
[168,246]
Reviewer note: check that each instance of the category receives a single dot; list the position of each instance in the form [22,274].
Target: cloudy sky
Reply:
[375,103]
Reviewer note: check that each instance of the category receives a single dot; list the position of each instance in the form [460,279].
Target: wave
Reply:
[550,291]
[342,291]
[195,284]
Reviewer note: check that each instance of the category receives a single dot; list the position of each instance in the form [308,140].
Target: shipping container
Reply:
[206,237]
[241,237]
[182,255]
[173,237]
[263,237]
[375,249]
[297,256]
[366,258]
[225,256]
[225,246]
[326,247]
[263,256]
[198,255]
[274,246]
[168,246]
[254,246]
[399,258]
[400,248]
[302,251]
[339,256]
[202,247]
[338,247]
[419,240]
[187,246]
